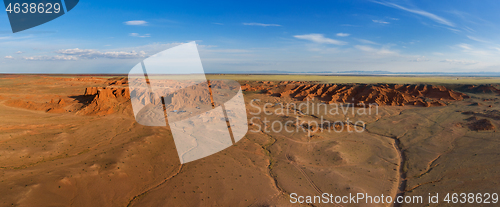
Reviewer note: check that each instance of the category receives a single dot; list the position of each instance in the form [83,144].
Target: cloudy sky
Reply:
[233,36]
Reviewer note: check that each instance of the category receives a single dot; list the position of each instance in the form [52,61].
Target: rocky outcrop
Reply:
[117,81]
[104,100]
[486,88]
[381,94]
[51,107]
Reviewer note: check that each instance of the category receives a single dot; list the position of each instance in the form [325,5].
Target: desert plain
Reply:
[72,140]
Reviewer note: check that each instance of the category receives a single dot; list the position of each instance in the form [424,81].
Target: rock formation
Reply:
[381,94]
[104,100]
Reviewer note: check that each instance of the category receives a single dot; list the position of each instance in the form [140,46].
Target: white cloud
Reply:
[94,54]
[420,59]
[429,15]
[380,21]
[477,39]
[57,57]
[320,38]
[382,51]
[17,37]
[136,22]
[461,62]
[464,46]
[9,57]
[19,52]
[453,30]
[261,24]
[325,50]
[366,41]
[365,48]
[343,34]
[468,29]
[138,35]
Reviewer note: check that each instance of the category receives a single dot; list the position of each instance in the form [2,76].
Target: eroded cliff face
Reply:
[105,100]
[114,95]
[110,98]
[381,94]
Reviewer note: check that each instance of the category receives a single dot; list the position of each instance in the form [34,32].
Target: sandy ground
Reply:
[63,143]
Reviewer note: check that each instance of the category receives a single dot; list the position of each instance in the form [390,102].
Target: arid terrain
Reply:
[73,141]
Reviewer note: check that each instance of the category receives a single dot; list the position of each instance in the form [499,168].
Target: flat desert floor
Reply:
[73,141]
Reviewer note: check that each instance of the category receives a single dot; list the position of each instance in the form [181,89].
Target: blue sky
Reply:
[232,36]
